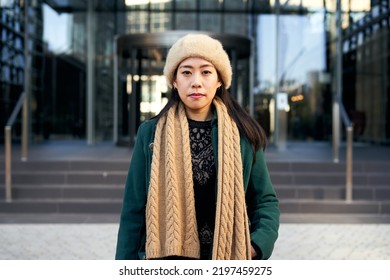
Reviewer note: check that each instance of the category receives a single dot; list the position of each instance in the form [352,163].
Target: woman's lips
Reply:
[196,95]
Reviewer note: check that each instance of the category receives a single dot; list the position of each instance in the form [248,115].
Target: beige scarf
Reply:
[171,227]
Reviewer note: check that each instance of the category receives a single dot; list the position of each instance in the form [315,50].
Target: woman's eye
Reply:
[206,72]
[186,73]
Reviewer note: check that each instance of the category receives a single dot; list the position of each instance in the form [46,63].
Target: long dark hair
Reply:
[251,129]
[245,123]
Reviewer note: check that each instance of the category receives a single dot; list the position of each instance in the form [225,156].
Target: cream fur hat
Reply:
[198,45]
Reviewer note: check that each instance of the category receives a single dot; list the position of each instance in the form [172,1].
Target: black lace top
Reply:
[204,177]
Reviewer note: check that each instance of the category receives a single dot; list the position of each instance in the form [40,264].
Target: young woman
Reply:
[198,186]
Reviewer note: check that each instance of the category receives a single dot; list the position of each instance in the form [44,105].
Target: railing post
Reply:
[336,130]
[348,183]
[8,193]
[25,129]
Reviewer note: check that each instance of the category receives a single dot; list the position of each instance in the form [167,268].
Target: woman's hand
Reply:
[253,252]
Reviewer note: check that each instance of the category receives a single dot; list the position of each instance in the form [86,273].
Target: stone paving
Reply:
[97,242]
[333,242]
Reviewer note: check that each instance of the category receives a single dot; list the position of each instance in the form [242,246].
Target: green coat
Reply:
[262,203]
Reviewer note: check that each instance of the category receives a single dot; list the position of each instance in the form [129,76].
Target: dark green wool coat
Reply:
[262,203]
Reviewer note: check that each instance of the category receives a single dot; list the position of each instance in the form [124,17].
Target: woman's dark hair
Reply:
[245,123]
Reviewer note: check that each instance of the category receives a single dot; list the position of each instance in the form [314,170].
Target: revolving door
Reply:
[140,89]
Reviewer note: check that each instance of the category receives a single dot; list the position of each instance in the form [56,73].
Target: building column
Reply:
[337,83]
[279,114]
[26,113]
[91,88]
[116,92]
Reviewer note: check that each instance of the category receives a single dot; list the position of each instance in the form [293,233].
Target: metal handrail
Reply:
[8,146]
[349,153]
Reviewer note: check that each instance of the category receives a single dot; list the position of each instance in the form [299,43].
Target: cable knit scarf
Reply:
[171,227]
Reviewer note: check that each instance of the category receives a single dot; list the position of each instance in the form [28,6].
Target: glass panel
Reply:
[145,85]
[235,5]
[210,22]
[242,95]
[61,107]
[301,67]
[160,22]
[264,87]
[210,4]
[55,34]
[137,22]
[185,4]
[161,4]
[235,23]
[365,70]
[261,5]
[153,97]
[185,21]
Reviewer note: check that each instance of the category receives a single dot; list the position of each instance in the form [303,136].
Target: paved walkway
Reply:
[297,241]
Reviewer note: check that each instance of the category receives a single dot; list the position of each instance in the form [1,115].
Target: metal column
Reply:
[91,27]
[275,115]
[116,92]
[337,94]
[27,85]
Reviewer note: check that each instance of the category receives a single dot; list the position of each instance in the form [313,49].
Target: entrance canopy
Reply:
[240,44]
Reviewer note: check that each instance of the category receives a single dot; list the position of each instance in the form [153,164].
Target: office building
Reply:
[93,69]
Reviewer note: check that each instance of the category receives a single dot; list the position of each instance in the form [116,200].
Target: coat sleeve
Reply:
[263,208]
[132,221]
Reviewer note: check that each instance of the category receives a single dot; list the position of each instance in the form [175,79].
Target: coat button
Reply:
[151,146]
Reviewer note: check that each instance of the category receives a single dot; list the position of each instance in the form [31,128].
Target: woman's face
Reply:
[197,82]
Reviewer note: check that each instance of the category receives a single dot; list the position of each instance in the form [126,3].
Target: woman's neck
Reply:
[200,116]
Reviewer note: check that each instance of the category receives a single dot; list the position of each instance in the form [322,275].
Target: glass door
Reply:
[140,89]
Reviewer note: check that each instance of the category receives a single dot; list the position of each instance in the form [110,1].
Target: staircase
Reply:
[66,187]
[319,187]
[96,187]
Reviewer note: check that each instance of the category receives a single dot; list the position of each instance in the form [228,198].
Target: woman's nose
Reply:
[196,82]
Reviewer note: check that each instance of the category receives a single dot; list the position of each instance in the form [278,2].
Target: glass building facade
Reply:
[85,81]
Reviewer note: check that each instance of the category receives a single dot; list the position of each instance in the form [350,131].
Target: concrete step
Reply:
[302,206]
[108,191]
[68,165]
[337,192]
[328,167]
[113,206]
[65,206]
[114,172]
[327,173]
[336,179]
[122,165]
[67,177]
[118,177]
[90,186]
[95,191]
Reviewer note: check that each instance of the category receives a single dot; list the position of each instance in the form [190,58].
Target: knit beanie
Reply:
[202,46]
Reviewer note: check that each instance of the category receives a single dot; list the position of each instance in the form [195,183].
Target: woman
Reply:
[198,186]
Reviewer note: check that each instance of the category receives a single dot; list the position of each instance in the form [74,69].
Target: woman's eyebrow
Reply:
[202,66]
